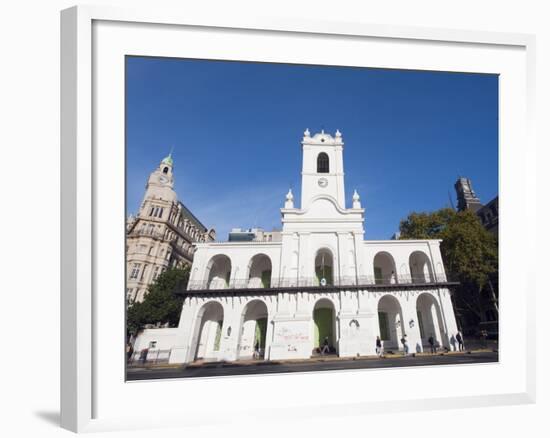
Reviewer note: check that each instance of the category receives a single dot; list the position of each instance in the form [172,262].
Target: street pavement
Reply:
[270,367]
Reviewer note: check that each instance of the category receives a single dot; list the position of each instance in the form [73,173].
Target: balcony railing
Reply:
[146,232]
[366,280]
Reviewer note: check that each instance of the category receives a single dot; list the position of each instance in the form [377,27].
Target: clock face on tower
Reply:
[323,182]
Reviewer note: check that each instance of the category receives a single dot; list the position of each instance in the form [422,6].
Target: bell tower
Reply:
[322,167]
[465,195]
[160,185]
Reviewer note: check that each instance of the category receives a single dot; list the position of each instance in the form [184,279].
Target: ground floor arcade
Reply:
[233,325]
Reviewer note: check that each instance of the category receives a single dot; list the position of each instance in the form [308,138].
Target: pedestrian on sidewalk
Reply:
[256,354]
[326,348]
[378,346]
[129,352]
[483,336]
[431,341]
[405,345]
[460,341]
[143,355]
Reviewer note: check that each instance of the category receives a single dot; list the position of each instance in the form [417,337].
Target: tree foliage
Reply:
[160,305]
[426,225]
[469,251]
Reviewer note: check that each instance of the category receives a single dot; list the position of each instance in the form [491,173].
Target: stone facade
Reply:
[488,215]
[322,284]
[467,200]
[162,234]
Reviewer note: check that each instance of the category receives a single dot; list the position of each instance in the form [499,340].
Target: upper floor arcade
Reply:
[261,266]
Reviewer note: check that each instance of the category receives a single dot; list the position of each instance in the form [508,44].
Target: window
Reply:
[156,273]
[151,211]
[165,170]
[322,163]
[153,344]
[135,271]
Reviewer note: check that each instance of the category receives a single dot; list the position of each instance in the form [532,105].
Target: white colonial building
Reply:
[321,281]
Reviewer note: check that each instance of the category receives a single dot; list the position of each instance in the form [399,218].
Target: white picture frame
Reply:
[91,391]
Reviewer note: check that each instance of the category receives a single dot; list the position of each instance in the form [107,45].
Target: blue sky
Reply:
[236,128]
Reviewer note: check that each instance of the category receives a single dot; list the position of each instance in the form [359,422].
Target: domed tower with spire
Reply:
[162,234]
[160,185]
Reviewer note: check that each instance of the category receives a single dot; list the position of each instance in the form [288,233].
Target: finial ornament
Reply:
[356,200]
[338,133]
[307,133]
[289,199]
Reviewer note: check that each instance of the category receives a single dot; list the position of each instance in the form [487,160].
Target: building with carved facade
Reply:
[161,235]
[321,284]
[487,320]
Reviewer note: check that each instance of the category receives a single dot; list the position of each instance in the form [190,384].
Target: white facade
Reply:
[322,284]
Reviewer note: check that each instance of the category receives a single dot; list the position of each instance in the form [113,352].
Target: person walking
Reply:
[460,341]
[405,345]
[432,344]
[378,346]
[326,348]
[143,355]
[257,350]
[129,352]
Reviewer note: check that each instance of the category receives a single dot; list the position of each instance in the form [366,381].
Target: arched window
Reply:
[322,163]
[165,170]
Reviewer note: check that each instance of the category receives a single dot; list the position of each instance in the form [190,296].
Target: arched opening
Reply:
[259,270]
[253,331]
[165,170]
[324,268]
[322,163]
[208,331]
[430,321]
[324,328]
[384,269]
[218,272]
[421,270]
[390,323]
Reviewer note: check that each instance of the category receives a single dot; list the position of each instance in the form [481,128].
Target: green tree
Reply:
[160,304]
[469,251]
[426,225]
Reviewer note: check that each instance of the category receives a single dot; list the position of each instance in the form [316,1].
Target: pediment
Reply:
[324,207]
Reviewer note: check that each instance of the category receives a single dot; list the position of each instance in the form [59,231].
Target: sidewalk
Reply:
[476,348]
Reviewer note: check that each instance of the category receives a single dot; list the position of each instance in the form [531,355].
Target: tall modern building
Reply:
[162,234]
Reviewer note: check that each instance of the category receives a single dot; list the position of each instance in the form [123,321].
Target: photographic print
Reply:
[304,218]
